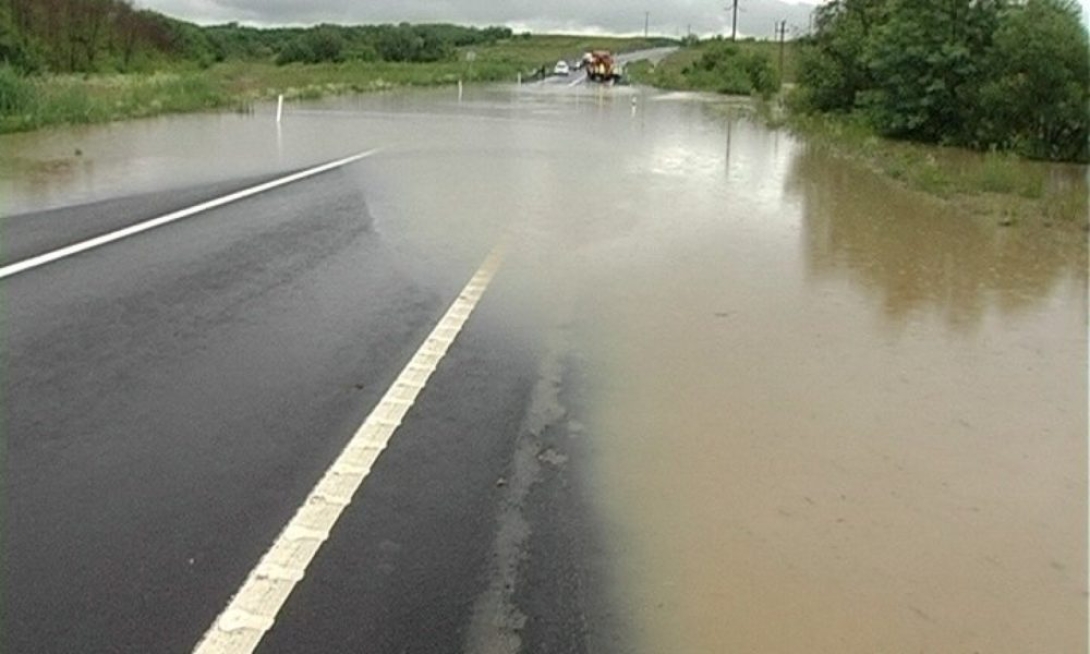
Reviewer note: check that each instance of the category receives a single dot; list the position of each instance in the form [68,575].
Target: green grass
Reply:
[36,102]
[71,99]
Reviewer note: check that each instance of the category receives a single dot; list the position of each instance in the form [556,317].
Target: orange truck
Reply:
[600,67]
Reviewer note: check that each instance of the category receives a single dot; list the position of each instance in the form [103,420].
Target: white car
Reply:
[561,68]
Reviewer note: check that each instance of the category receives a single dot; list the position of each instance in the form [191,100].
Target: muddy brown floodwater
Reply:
[826,414]
[836,417]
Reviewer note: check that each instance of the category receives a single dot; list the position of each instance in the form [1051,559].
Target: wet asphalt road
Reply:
[170,400]
[752,382]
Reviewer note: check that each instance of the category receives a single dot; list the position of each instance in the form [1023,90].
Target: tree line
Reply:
[987,74]
[404,42]
[82,35]
[73,36]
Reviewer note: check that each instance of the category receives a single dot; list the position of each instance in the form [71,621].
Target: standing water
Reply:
[835,416]
[826,414]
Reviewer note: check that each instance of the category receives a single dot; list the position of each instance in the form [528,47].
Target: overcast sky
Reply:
[667,17]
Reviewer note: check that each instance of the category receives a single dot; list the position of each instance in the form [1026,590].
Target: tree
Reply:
[833,68]
[726,69]
[989,74]
[1036,99]
[15,51]
[924,63]
[325,44]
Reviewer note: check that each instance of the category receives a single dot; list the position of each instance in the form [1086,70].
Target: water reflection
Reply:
[775,455]
[917,255]
[770,454]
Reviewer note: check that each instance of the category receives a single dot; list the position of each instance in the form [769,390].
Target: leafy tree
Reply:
[406,42]
[924,61]
[296,51]
[833,69]
[727,69]
[1037,93]
[989,74]
[320,44]
[15,52]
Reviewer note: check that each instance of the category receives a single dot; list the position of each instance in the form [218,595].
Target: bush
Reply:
[1036,97]
[989,74]
[316,45]
[725,69]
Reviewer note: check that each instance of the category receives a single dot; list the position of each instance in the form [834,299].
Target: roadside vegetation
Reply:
[883,82]
[745,67]
[911,88]
[86,61]
[1002,186]
[992,75]
[947,98]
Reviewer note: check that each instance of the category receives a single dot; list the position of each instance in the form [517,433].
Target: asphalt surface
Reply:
[170,399]
[578,76]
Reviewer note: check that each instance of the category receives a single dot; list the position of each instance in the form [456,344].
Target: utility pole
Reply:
[781,31]
[734,22]
[646,22]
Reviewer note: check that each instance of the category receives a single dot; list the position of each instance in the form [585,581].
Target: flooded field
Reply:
[827,414]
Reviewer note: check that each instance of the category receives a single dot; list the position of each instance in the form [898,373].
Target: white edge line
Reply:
[83,246]
[253,609]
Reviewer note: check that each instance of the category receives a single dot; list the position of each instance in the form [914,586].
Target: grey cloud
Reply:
[669,17]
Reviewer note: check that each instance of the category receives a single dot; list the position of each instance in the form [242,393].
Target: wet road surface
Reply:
[725,393]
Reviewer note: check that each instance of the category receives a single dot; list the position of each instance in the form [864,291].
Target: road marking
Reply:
[578,81]
[253,610]
[83,246]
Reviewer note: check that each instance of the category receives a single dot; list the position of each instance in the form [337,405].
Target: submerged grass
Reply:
[991,183]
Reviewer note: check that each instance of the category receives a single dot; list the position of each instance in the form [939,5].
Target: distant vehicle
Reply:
[601,67]
[561,68]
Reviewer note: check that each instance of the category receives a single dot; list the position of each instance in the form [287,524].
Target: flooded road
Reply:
[825,414]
